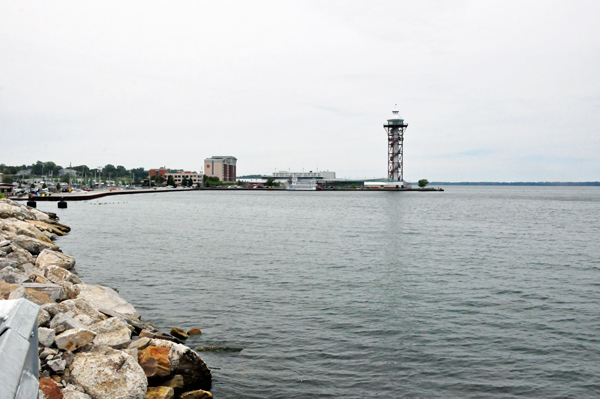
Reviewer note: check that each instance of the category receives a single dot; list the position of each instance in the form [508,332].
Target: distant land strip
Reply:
[523,183]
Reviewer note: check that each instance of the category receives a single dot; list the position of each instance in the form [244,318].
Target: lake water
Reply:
[479,292]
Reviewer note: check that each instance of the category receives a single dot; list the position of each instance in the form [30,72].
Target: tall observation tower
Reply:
[395,128]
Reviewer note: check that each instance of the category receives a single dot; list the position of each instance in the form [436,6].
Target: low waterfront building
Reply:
[178,177]
[224,167]
[305,175]
[6,188]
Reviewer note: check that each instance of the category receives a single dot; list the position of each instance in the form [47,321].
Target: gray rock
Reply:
[33,245]
[43,318]
[29,269]
[20,255]
[5,262]
[18,293]
[106,298]
[46,336]
[48,352]
[74,339]
[64,321]
[77,306]
[5,243]
[106,373]
[12,276]
[57,364]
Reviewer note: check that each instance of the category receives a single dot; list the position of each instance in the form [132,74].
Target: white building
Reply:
[305,175]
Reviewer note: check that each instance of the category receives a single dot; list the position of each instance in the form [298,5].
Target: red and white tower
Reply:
[395,128]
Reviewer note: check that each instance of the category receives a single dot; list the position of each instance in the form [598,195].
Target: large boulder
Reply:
[106,298]
[106,373]
[52,257]
[187,363]
[33,245]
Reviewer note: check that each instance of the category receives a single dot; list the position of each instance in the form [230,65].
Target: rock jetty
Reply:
[92,342]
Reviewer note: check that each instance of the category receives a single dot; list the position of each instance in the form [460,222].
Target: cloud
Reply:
[304,84]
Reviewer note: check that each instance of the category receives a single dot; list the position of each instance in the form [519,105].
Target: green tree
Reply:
[271,182]
[44,185]
[184,182]
[171,181]
[58,187]
[109,170]
[423,183]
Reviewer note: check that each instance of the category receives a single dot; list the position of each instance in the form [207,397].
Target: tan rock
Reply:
[179,333]
[50,388]
[74,338]
[107,298]
[160,393]
[194,331]
[51,257]
[155,361]
[58,274]
[199,394]
[106,373]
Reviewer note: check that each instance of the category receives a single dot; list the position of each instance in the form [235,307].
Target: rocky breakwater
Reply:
[92,343]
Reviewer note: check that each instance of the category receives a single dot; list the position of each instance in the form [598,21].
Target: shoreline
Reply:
[85,331]
[94,195]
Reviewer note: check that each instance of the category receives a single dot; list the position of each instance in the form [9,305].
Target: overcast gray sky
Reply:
[491,90]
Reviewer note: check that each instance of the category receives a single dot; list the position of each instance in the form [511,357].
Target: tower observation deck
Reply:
[395,128]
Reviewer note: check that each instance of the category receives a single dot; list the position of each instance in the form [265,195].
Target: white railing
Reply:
[19,367]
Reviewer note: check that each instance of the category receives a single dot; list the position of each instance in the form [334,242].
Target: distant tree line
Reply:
[52,171]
